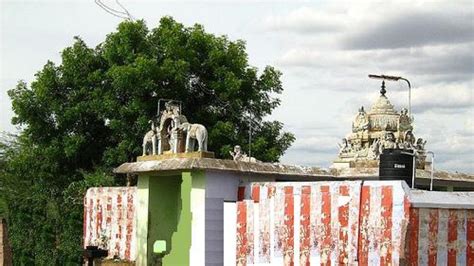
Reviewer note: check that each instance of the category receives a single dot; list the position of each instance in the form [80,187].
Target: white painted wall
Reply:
[230,214]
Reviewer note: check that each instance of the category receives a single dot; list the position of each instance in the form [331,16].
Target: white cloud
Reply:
[441,97]
[440,62]
[412,28]
[316,144]
[304,20]
[370,25]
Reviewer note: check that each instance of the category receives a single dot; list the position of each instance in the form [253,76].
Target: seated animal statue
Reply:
[344,146]
[420,144]
[240,156]
[194,133]
[150,140]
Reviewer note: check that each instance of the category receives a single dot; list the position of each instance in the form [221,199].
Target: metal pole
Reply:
[432,169]
[413,171]
[250,136]
[409,95]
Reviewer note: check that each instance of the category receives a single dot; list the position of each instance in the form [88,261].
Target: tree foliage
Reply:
[88,114]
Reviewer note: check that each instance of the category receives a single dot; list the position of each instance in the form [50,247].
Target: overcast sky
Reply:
[324,49]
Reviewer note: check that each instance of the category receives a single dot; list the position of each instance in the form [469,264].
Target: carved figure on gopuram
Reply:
[404,122]
[388,142]
[420,144]
[374,151]
[361,122]
[343,146]
[408,141]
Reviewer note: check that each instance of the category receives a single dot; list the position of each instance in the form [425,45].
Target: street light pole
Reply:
[395,78]
[409,95]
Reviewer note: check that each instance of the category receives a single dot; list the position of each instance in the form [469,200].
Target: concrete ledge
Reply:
[442,200]
[420,174]
[197,154]
[221,165]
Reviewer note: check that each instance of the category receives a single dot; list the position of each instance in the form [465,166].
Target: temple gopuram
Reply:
[382,127]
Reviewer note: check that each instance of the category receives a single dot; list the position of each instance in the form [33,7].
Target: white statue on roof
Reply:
[240,156]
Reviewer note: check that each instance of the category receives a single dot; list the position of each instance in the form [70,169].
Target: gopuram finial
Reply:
[383,91]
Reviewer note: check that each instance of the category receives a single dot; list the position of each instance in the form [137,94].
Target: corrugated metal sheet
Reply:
[110,220]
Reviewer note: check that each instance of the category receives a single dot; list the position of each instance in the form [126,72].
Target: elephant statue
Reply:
[150,140]
[194,133]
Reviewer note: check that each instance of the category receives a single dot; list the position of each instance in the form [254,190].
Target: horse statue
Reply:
[194,133]
[150,139]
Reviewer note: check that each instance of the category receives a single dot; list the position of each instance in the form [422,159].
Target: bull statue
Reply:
[150,140]
[194,133]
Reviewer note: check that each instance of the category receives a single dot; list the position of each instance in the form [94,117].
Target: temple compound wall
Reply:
[223,212]
[352,223]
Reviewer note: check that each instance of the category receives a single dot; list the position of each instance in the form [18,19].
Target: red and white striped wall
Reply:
[383,217]
[321,223]
[440,237]
[110,220]
[313,223]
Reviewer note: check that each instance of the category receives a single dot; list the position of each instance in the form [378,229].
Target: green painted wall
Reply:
[181,239]
[168,201]
[142,218]
[165,208]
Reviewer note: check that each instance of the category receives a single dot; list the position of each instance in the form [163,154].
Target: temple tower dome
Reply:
[381,128]
[382,116]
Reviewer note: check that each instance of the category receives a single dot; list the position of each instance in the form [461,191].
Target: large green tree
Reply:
[88,114]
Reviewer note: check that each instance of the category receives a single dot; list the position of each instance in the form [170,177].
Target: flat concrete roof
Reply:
[221,165]
[420,174]
[441,199]
[262,168]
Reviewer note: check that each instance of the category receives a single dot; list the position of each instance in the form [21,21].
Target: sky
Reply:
[325,50]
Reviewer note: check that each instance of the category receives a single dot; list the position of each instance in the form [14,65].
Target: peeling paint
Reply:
[109,221]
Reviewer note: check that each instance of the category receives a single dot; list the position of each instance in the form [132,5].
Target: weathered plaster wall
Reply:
[220,187]
[441,237]
[198,210]
[109,220]
[355,223]
[321,223]
[143,200]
